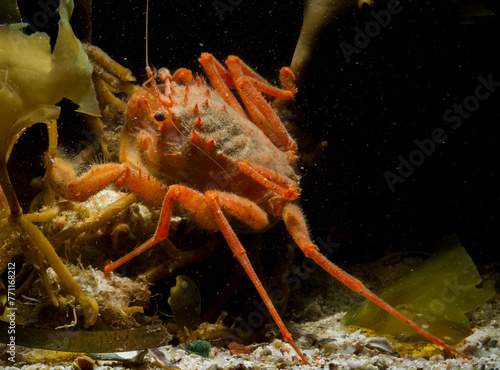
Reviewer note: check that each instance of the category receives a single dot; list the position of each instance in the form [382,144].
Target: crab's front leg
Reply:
[191,200]
[208,210]
[216,203]
[296,225]
[195,202]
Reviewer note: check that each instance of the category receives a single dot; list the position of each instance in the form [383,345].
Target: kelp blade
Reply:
[9,12]
[436,295]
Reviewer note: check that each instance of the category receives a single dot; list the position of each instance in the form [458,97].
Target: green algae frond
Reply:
[436,295]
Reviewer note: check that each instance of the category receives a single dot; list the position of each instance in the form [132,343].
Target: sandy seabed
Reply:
[314,322]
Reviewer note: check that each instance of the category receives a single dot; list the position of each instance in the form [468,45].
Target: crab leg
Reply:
[296,225]
[190,199]
[250,85]
[238,69]
[195,203]
[208,209]
[279,184]
[239,252]
[63,179]
[221,81]
[257,108]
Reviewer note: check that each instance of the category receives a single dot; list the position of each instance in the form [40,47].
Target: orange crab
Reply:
[220,163]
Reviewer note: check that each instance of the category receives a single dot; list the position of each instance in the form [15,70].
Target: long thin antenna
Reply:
[177,128]
[147,35]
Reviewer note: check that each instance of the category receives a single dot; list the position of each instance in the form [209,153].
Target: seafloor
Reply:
[344,351]
[314,321]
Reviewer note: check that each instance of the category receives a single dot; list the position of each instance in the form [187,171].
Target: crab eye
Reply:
[159,116]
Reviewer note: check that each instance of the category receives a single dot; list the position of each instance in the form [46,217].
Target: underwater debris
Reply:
[437,295]
[83,363]
[118,297]
[89,341]
[380,343]
[160,357]
[185,302]
[238,349]
[217,333]
[128,357]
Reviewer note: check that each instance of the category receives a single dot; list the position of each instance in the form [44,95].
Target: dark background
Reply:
[370,110]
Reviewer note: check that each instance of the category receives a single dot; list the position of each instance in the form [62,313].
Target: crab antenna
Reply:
[147,35]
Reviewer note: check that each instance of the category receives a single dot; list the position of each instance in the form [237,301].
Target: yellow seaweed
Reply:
[436,295]
[32,81]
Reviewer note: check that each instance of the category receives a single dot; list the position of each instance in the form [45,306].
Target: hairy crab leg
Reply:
[208,209]
[258,107]
[296,225]
[274,182]
[221,81]
[195,203]
[239,252]
[280,180]
[190,199]
[63,179]
[238,69]
[249,85]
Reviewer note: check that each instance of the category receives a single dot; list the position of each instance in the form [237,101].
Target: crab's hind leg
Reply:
[296,225]
[221,81]
[250,86]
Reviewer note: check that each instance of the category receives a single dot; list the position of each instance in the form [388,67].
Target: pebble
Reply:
[353,363]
